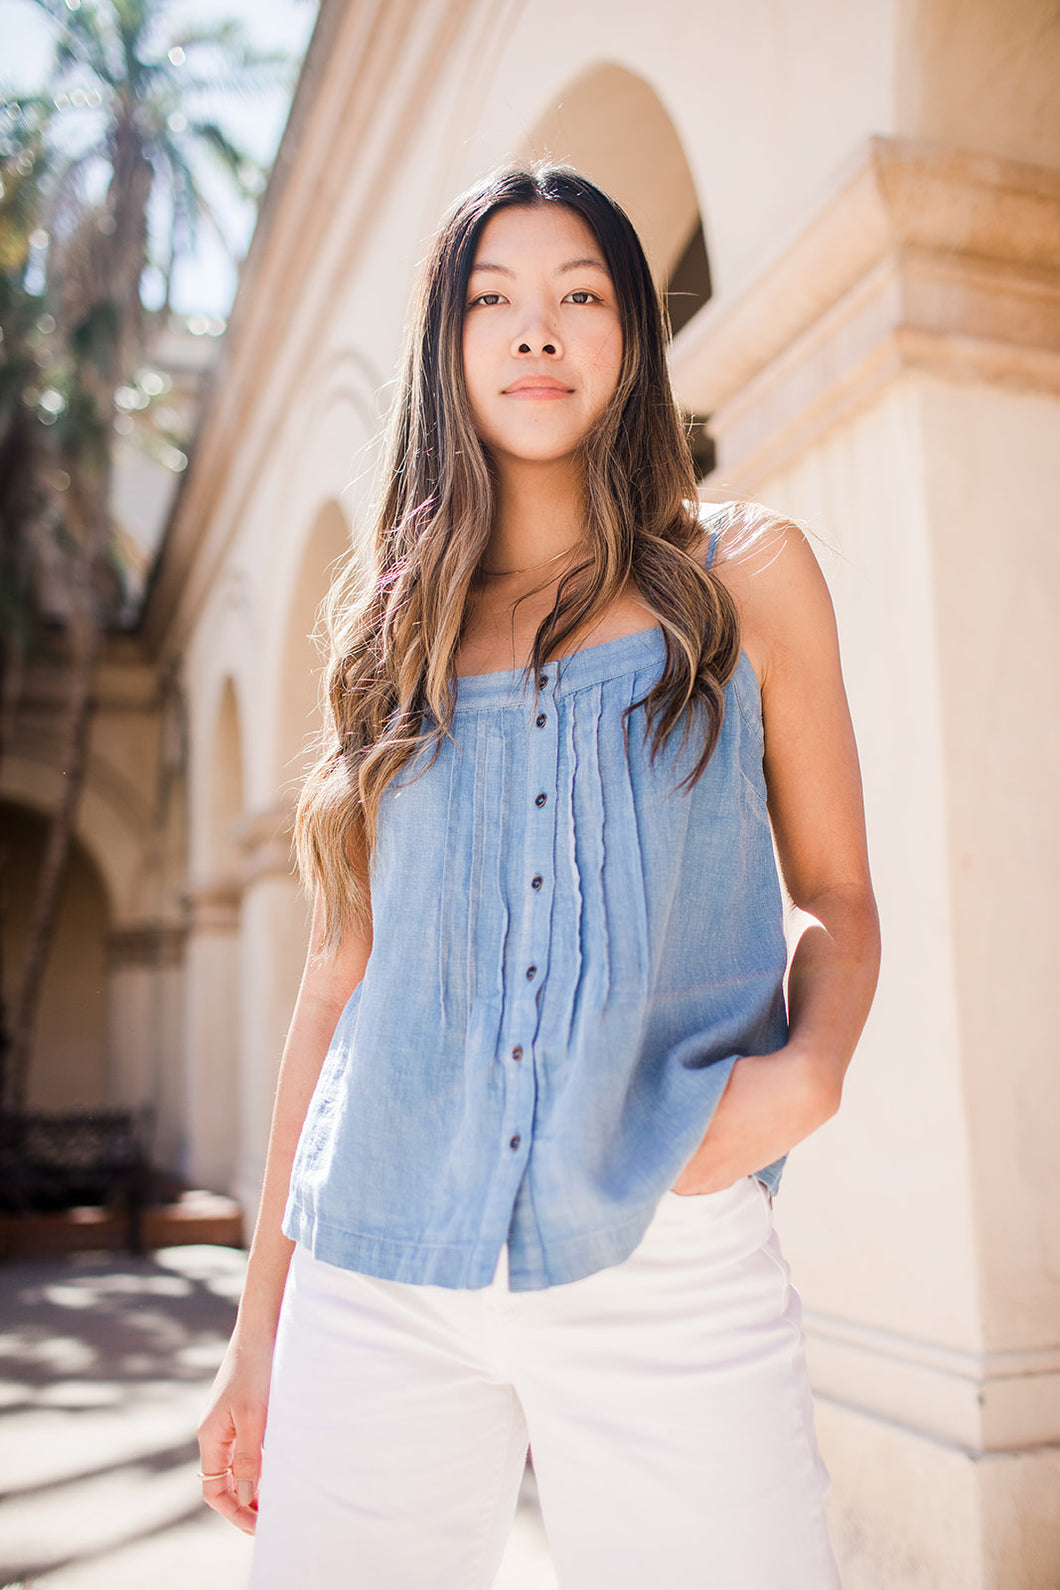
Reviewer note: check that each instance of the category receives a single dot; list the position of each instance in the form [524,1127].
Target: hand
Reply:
[770,1103]
[231,1432]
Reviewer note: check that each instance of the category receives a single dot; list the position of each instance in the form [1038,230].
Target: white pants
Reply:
[666,1401]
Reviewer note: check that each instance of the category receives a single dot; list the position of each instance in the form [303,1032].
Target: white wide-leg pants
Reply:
[665,1399]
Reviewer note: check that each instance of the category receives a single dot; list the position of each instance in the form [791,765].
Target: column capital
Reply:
[264,840]
[153,944]
[212,904]
[922,257]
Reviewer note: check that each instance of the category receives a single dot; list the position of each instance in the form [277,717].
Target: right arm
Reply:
[233,1426]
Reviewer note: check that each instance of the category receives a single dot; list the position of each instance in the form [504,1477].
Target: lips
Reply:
[537,386]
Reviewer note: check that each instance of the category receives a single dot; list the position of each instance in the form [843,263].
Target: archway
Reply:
[613,126]
[68,1066]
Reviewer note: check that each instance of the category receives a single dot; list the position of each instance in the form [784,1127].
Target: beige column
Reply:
[274,934]
[211,1034]
[145,1025]
[894,377]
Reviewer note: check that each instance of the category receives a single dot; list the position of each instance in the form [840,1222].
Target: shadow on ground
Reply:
[105,1365]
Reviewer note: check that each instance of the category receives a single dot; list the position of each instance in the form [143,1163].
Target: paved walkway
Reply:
[105,1362]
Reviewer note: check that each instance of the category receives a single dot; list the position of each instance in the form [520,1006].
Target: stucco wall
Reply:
[879,361]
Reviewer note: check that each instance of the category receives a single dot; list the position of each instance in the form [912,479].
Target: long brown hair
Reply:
[396,617]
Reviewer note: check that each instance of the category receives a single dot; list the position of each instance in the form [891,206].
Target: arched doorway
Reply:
[612,125]
[69,1060]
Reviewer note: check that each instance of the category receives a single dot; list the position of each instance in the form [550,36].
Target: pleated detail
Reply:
[478,846]
[449,894]
[631,969]
[495,896]
[573,969]
[600,881]
[549,1113]
[589,850]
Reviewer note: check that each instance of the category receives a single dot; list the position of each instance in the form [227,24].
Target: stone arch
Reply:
[612,125]
[113,829]
[297,700]
[69,1060]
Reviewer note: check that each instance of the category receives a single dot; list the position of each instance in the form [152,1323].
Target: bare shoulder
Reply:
[767,564]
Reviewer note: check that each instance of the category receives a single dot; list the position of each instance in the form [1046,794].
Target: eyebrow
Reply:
[590,261]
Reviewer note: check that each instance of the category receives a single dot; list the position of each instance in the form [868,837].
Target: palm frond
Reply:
[235,161]
[81,41]
[66,201]
[197,205]
[257,74]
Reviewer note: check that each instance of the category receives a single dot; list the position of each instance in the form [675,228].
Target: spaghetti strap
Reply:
[716,524]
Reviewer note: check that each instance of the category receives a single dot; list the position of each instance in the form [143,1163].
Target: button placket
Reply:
[543,754]
[535,887]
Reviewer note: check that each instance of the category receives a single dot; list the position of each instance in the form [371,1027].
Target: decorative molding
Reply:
[148,944]
[264,838]
[982,1402]
[923,257]
[213,905]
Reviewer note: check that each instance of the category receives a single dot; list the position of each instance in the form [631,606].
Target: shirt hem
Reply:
[459,1266]
[453,1265]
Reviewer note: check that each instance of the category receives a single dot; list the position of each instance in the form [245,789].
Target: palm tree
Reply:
[23,503]
[129,82]
[23,164]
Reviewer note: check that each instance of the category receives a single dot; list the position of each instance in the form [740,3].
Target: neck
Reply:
[539,513]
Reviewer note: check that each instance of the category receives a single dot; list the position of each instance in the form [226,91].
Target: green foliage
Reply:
[25,361]
[99,179]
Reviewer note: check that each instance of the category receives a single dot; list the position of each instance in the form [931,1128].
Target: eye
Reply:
[582,295]
[487,300]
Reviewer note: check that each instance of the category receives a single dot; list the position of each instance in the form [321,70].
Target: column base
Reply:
[910,1512]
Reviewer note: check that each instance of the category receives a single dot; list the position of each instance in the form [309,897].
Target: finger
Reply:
[224,1501]
[246,1456]
[216,1437]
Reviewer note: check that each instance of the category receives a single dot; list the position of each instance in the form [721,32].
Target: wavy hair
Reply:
[396,612]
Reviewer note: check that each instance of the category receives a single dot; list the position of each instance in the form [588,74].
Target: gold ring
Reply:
[222,1476]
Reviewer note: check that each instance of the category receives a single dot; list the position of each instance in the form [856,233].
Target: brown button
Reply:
[541,720]
[542,681]
[535,883]
[517,1052]
[531,972]
[516,1140]
[539,800]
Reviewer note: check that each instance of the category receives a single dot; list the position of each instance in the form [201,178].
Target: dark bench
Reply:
[54,1161]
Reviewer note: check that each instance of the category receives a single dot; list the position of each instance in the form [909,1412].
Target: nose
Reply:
[529,347]
[537,336]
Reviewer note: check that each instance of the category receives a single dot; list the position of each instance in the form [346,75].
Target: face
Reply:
[542,336]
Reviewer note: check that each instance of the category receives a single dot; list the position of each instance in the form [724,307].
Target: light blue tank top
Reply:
[569,954]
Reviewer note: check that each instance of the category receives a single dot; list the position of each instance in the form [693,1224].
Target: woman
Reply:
[541,1080]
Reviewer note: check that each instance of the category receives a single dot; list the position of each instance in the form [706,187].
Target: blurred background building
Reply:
[856,213]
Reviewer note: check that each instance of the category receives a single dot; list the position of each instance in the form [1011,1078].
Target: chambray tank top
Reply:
[569,955]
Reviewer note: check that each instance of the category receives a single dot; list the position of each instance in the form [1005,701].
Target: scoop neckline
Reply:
[597,646]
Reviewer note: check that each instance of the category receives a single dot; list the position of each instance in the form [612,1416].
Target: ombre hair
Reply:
[395,614]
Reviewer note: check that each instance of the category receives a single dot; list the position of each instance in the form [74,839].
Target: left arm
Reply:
[813,783]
